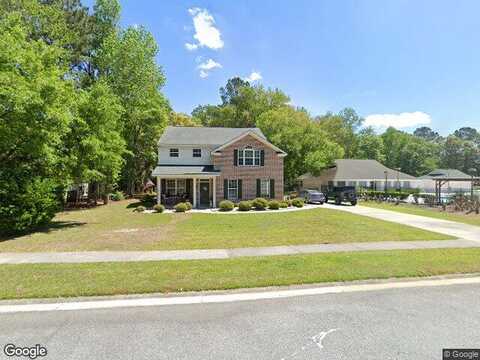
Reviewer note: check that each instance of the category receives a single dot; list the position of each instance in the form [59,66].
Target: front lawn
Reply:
[66,280]
[471,219]
[116,227]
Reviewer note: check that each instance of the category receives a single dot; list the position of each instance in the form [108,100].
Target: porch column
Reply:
[159,190]
[214,194]
[194,192]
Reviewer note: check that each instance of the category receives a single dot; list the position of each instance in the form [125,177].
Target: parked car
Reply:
[312,196]
[342,194]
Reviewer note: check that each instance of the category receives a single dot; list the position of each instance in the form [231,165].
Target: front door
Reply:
[204,193]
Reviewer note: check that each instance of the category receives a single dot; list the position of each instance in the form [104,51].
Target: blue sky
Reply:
[419,58]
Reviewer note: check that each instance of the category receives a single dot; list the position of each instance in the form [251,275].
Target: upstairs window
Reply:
[249,157]
[197,153]
[173,152]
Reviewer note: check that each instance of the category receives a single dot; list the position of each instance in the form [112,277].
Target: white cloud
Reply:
[191,47]
[254,76]
[206,66]
[206,34]
[399,121]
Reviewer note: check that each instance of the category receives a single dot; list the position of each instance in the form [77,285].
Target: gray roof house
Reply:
[206,165]
[360,173]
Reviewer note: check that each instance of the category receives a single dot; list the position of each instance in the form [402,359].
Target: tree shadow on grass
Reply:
[51,227]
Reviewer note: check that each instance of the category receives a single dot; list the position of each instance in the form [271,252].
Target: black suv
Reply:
[342,194]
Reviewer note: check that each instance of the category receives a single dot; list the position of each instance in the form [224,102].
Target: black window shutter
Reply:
[235,157]
[272,188]
[262,157]
[258,187]
[239,189]
[225,189]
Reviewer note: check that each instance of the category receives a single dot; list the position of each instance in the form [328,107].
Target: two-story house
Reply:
[207,165]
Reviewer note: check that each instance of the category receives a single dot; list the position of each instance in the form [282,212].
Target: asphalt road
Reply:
[413,323]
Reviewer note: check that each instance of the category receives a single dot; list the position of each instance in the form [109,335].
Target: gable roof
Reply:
[446,174]
[210,136]
[360,169]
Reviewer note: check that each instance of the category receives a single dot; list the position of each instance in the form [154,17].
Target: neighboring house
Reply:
[453,181]
[367,174]
[207,165]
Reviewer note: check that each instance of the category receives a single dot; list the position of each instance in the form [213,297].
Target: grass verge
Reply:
[67,280]
[471,219]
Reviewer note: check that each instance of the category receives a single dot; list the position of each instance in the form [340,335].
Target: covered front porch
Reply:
[196,184]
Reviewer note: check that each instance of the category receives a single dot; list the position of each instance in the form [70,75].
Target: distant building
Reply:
[367,174]
[452,181]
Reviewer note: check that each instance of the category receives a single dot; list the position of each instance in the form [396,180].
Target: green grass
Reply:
[471,219]
[116,227]
[66,280]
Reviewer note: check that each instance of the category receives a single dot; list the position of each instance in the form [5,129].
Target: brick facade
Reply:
[272,169]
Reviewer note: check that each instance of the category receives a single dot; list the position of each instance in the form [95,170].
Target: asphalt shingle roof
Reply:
[359,169]
[366,169]
[446,173]
[212,136]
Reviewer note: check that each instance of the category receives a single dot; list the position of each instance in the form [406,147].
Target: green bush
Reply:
[181,207]
[149,200]
[260,204]
[244,206]
[117,196]
[189,205]
[297,202]
[27,205]
[289,203]
[159,208]
[274,205]
[140,208]
[226,205]
[283,204]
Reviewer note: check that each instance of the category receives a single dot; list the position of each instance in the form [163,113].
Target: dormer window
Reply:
[174,152]
[197,153]
[249,157]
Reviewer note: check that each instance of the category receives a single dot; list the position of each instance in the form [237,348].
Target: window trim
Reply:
[174,152]
[262,183]
[254,155]
[197,152]
[234,188]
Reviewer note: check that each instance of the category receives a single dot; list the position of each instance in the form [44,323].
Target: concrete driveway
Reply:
[459,230]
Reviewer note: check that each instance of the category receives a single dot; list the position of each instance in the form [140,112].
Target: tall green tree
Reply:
[370,145]
[242,105]
[35,115]
[127,62]
[307,145]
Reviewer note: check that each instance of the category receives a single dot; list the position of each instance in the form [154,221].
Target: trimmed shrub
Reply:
[159,208]
[297,202]
[117,196]
[260,204]
[140,208]
[189,205]
[244,206]
[283,204]
[274,205]
[181,207]
[226,205]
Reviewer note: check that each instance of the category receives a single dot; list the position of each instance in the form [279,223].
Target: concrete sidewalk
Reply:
[456,229]
[126,256]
